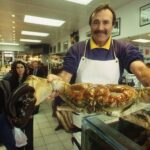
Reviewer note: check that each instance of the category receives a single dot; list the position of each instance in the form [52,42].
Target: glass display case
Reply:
[111,134]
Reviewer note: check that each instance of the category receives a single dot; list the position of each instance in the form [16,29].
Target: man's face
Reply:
[101,26]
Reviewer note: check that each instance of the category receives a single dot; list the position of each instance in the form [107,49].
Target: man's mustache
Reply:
[100,31]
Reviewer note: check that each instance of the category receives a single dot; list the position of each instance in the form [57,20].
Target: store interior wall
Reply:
[129,15]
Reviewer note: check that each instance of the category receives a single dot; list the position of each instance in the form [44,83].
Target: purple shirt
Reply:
[125,52]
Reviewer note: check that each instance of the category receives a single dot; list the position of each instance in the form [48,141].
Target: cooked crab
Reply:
[43,88]
[89,96]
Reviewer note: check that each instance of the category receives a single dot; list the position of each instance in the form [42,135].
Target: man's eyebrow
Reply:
[105,20]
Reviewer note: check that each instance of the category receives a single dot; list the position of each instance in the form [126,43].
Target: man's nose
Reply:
[100,26]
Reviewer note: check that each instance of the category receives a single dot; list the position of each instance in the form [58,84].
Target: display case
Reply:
[56,63]
[109,134]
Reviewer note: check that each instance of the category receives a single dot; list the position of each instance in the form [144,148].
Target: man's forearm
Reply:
[141,71]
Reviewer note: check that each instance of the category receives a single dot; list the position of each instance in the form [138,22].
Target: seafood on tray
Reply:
[87,96]
[96,97]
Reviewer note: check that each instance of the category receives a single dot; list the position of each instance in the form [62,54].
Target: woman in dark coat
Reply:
[19,73]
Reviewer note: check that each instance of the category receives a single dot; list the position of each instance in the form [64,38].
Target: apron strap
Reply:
[114,49]
[85,48]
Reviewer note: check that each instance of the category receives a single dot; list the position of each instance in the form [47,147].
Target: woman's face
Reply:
[20,69]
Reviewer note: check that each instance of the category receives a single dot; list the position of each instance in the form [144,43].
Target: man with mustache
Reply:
[102,60]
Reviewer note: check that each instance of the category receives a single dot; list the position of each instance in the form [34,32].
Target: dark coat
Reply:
[40,72]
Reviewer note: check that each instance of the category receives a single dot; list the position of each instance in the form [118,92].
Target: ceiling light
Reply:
[2,43]
[13,15]
[82,2]
[34,33]
[8,52]
[141,40]
[30,40]
[43,21]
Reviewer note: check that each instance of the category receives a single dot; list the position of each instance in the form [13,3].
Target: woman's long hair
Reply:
[15,76]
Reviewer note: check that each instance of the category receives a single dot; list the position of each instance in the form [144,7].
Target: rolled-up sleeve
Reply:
[127,54]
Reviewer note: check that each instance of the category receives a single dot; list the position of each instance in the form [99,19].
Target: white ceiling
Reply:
[75,16]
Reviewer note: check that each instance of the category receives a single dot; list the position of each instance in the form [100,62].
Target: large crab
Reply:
[89,97]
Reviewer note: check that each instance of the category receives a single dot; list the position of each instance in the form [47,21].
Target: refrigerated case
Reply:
[56,63]
[109,134]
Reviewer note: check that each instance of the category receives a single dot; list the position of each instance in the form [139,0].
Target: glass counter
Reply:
[101,132]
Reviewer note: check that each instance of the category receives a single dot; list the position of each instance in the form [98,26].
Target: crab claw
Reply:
[41,86]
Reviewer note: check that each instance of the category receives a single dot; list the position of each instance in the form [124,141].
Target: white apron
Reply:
[96,72]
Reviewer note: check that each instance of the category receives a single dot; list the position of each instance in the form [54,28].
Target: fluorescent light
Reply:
[141,40]
[43,21]
[3,43]
[30,40]
[13,15]
[8,52]
[34,33]
[82,2]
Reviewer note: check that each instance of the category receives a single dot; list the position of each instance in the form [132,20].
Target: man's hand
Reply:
[50,79]
[63,77]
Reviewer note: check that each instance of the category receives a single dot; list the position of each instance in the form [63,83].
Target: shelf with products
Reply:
[59,53]
[56,62]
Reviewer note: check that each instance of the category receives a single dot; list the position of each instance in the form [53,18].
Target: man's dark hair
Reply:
[100,8]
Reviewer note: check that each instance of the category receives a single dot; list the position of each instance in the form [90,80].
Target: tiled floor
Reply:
[45,137]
